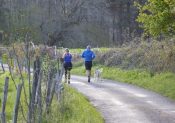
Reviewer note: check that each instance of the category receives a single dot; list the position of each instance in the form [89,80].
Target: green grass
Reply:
[80,50]
[163,83]
[12,95]
[73,108]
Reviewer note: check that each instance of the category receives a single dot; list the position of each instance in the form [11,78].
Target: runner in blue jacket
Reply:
[67,57]
[88,56]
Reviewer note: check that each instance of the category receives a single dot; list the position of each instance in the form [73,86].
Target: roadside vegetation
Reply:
[162,83]
[148,65]
[12,95]
[73,107]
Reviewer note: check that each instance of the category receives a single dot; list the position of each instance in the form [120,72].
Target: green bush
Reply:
[154,56]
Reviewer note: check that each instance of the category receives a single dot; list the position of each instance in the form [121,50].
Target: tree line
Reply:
[81,22]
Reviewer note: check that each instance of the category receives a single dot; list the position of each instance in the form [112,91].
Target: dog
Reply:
[98,74]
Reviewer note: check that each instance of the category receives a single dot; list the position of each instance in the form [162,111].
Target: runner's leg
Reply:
[68,76]
[88,66]
[65,75]
[89,75]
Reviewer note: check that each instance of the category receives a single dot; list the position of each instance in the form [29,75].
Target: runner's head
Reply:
[67,50]
[88,47]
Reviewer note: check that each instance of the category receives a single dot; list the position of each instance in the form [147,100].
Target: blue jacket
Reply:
[67,57]
[88,55]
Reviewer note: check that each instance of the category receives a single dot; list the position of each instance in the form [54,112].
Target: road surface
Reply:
[124,103]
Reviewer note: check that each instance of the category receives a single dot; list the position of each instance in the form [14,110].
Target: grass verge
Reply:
[163,83]
[73,107]
[12,96]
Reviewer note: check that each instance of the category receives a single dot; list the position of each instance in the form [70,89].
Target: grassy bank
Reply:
[73,107]
[163,83]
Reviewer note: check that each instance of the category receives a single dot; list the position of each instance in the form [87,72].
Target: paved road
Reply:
[124,103]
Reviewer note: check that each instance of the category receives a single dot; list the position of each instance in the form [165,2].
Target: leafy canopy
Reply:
[157,17]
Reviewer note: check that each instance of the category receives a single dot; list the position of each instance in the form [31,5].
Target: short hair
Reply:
[88,47]
[67,50]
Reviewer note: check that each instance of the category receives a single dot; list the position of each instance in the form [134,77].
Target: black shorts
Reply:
[88,65]
[67,65]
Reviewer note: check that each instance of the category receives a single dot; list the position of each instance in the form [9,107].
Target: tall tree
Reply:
[73,23]
[157,17]
[3,10]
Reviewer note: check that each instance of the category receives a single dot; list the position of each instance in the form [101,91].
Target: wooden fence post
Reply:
[49,85]
[59,86]
[38,99]
[34,89]
[15,113]
[3,117]
[53,87]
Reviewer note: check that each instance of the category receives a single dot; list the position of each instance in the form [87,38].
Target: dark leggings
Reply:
[67,74]
[67,67]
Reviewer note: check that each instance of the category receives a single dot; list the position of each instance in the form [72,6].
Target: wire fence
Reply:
[40,71]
